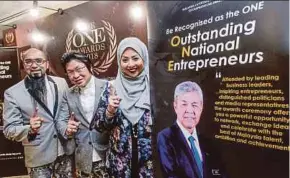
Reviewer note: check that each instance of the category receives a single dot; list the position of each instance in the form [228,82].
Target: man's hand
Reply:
[35,122]
[72,126]
[114,102]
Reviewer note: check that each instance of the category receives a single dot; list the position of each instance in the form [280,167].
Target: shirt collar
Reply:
[89,85]
[186,132]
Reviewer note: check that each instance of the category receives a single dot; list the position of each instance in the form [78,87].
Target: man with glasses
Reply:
[183,152]
[77,110]
[30,107]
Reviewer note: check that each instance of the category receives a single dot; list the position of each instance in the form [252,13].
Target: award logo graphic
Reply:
[9,37]
[99,44]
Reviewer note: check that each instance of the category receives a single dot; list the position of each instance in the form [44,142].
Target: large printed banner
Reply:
[11,153]
[237,52]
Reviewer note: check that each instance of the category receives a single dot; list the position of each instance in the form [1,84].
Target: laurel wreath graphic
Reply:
[103,67]
[68,41]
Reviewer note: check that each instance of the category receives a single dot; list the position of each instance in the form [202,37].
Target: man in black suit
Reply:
[183,153]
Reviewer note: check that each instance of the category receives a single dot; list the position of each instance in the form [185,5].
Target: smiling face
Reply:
[34,63]
[188,109]
[78,73]
[131,63]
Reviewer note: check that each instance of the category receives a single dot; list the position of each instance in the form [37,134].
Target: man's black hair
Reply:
[72,55]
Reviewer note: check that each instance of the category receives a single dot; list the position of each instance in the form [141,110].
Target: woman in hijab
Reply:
[124,111]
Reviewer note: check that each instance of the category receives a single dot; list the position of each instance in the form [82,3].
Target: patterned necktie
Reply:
[196,155]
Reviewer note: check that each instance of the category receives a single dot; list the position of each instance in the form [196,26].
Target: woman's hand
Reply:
[114,102]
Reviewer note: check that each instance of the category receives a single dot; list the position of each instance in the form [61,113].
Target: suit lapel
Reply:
[98,90]
[79,107]
[187,150]
[37,99]
[55,93]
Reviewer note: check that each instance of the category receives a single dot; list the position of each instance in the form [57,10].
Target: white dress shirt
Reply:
[87,98]
[187,135]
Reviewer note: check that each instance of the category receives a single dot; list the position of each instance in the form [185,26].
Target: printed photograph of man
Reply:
[183,153]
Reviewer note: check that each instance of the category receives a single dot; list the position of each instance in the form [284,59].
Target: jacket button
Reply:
[90,143]
[54,136]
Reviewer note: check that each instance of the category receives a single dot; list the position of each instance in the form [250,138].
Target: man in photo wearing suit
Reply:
[30,107]
[183,153]
[77,110]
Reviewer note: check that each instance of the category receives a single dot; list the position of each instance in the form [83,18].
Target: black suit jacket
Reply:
[177,160]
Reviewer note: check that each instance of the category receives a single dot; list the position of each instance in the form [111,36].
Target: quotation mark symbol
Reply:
[218,75]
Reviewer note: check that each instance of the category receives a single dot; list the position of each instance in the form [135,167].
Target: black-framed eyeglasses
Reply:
[77,69]
[38,61]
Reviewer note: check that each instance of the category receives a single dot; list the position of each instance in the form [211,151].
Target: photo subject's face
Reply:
[131,63]
[188,109]
[34,63]
[78,73]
